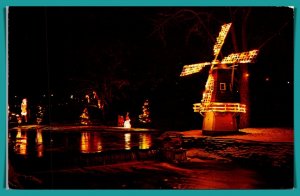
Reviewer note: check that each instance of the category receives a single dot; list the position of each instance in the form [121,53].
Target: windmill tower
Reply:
[219,105]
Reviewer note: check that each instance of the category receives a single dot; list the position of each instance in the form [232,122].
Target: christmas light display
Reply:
[84,117]
[244,57]
[221,38]
[145,116]
[24,109]
[218,105]
[194,68]
[127,121]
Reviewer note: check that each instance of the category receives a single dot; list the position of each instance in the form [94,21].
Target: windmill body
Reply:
[220,101]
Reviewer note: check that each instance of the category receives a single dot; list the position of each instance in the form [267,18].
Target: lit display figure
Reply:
[24,112]
[144,118]
[127,121]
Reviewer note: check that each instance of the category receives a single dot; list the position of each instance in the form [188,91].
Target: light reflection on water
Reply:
[37,142]
[90,142]
[145,141]
[127,138]
[21,142]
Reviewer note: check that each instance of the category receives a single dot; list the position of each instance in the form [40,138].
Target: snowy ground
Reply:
[253,134]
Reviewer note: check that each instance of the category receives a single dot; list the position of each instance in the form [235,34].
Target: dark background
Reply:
[64,51]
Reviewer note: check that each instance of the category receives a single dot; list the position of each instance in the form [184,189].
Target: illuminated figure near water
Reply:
[220,101]
[144,118]
[120,121]
[39,115]
[127,121]
[84,117]
[24,109]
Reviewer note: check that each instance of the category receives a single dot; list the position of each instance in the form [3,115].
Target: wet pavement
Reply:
[70,157]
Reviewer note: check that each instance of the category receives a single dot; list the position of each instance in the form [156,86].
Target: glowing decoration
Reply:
[39,115]
[120,121]
[145,116]
[24,109]
[244,57]
[127,121]
[221,38]
[93,99]
[193,68]
[87,97]
[84,117]
[127,124]
[19,119]
[95,96]
[218,105]
[209,87]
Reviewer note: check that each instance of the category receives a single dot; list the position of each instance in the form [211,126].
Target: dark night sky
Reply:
[64,50]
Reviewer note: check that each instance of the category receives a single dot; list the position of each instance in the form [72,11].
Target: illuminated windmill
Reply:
[218,105]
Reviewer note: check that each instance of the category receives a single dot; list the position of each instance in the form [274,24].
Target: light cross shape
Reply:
[194,68]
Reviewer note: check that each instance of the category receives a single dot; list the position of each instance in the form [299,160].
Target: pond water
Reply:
[61,159]
[37,142]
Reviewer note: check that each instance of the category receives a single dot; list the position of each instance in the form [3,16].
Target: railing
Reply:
[219,107]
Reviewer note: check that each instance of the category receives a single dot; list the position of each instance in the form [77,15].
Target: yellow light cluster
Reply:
[244,57]
[193,68]
[220,40]
[209,87]
[219,107]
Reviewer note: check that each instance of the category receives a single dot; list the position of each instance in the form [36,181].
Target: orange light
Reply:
[193,68]
[39,143]
[144,141]
[209,87]
[219,107]
[244,57]
[21,142]
[24,107]
[85,141]
[220,40]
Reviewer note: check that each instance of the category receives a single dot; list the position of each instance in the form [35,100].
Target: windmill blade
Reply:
[193,68]
[244,57]
[221,38]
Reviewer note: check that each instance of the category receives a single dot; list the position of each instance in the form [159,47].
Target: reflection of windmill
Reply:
[218,105]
